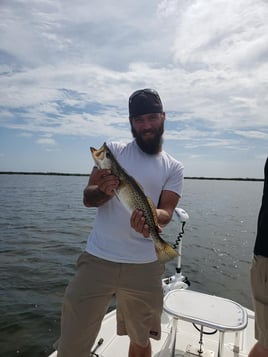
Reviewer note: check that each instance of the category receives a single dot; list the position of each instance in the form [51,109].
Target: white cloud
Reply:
[67,69]
[48,141]
[253,134]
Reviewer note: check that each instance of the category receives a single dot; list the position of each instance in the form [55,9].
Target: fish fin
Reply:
[116,194]
[165,252]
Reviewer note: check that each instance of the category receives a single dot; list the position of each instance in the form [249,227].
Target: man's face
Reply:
[148,129]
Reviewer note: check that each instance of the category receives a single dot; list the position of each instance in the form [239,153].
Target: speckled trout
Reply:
[131,195]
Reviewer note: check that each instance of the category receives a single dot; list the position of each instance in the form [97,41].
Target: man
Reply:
[120,258]
[259,276]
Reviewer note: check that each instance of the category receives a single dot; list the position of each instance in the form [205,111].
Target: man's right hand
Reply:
[106,181]
[101,187]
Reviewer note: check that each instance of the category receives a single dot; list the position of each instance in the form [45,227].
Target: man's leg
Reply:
[86,301]
[139,306]
[259,286]
[139,351]
[258,351]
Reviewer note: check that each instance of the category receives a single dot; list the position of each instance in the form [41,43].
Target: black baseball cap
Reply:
[144,101]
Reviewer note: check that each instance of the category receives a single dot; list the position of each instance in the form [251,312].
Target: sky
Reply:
[68,67]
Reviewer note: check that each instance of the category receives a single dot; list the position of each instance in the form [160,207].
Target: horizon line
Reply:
[81,174]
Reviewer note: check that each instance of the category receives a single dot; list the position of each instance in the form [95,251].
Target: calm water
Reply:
[44,227]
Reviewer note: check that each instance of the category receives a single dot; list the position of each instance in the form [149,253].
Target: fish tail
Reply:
[165,252]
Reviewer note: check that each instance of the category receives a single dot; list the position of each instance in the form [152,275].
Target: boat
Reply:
[192,323]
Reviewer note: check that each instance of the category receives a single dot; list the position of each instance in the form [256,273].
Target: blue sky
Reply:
[67,69]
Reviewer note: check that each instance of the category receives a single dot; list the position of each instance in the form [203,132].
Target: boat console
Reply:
[207,311]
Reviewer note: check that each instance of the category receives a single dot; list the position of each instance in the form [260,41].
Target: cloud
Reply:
[48,141]
[253,134]
[67,69]
[26,135]
[222,34]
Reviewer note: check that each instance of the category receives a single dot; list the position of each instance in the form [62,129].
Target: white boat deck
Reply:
[187,340]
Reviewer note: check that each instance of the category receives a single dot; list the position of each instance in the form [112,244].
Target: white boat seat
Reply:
[207,311]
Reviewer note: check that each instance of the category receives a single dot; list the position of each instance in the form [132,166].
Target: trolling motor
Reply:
[177,281]
[183,218]
[182,215]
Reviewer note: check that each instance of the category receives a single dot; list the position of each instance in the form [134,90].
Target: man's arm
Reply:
[167,203]
[100,187]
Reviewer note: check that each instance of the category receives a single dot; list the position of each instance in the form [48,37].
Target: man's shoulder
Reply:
[119,146]
[171,159]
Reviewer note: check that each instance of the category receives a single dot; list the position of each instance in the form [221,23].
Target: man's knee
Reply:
[136,350]
[258,351]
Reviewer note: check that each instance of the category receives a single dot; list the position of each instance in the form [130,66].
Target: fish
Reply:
[131,194]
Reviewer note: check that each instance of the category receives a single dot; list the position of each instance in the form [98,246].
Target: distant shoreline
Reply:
[77,174]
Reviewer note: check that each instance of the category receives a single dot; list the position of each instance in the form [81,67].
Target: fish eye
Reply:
[108,155]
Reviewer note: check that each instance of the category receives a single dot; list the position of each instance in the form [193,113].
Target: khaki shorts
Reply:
[259,286]
[139,301]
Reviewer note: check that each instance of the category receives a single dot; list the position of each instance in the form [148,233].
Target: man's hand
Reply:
[137,222]
[100,188]
[106,181]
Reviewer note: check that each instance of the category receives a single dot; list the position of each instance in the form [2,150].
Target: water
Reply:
[44,227]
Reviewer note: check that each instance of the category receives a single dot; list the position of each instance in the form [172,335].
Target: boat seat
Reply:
[207,311]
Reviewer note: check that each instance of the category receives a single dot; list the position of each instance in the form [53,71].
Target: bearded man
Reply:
[120,258]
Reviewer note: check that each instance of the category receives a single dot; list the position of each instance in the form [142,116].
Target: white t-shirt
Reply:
[112,237]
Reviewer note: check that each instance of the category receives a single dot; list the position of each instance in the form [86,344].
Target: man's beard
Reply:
[150,146]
